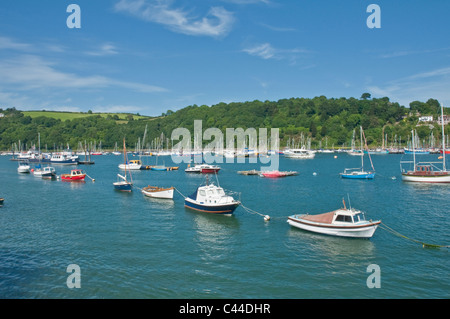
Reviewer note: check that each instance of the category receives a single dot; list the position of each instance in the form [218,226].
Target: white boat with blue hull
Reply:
[360,173]
[357,173]
[46,172]
[62,159]
[211,199]
[122,184]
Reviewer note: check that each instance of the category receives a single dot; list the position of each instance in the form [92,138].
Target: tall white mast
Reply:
[443,138]
[362,150]
[413,138]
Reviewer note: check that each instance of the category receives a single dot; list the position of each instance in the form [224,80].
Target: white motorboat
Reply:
[23,168]
[211,199]
[300,153]
[132,165]
[203,168]
[193,169]
[46,172]
[342,223]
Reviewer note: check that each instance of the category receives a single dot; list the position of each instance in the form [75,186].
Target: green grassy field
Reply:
[73,115]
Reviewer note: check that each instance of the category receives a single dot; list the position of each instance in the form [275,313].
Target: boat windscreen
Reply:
[343,218]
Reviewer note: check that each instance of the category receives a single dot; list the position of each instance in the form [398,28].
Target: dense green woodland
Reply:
[320,119]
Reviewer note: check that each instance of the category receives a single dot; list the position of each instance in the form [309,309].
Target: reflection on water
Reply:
[74,184]
[335,248]
[428,188]
[214,235]
[160,203]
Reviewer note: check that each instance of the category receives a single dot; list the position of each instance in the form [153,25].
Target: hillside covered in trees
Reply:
[320,119]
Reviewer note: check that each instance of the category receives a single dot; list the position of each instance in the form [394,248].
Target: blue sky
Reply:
[149,56]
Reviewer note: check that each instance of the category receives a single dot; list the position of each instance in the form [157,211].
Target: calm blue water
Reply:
[130,246]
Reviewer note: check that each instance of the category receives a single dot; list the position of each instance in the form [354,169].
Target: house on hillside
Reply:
[427,118]
[446,120]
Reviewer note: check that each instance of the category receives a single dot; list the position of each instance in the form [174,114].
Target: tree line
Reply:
[319,118]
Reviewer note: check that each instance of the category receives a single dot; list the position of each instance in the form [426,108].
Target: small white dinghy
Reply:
[342,222]
[158,192]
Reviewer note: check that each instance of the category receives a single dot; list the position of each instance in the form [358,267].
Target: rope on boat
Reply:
[424,245]
[251,211]
[92,179]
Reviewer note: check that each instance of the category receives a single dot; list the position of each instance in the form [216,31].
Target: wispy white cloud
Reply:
[402,53]
[10,99]
[249,1]
[55,48]
[266,51]
[104,50]
[29,72]
[55,107]
[117,109]
[7,43]
[10,44]
[216,23]
[430,74]
[396,54]
[278,29]
[419,86]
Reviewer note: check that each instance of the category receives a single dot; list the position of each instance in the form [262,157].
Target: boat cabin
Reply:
[76,172]
[340,216]
[349,216]
[211,194]
[424,169]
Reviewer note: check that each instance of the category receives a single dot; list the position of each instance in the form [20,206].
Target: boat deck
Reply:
[325,218]
[252,172]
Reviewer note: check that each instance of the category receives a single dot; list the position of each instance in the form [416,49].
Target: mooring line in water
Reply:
[251,211]
[180,192]
[391,177]
[93,179]
[424,245]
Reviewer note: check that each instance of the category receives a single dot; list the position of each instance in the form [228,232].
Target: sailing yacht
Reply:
[359,173]
[427,172]
[123,184]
